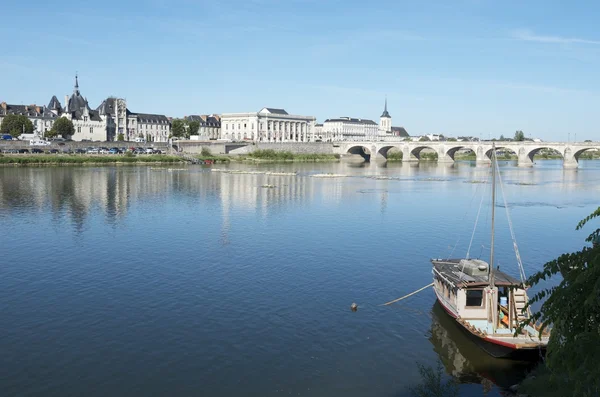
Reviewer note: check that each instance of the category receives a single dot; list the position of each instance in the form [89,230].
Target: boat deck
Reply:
[450,269]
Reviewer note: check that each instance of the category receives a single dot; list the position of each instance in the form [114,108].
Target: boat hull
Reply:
[496,348]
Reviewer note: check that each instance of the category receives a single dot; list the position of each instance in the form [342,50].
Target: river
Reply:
[182,281]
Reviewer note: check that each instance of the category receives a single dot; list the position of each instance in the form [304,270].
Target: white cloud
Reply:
[528,35]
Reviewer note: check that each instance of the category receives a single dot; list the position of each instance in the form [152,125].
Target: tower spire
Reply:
[385,111]
[76,89]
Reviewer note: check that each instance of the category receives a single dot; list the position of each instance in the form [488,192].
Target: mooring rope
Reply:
[406,296]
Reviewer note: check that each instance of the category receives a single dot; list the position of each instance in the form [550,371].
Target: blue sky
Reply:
[463,67]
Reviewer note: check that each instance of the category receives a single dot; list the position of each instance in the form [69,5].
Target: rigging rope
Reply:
[406,296]
[477,219]
[512,232]
[465,215]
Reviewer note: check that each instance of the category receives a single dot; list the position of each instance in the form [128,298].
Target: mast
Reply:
[491,280]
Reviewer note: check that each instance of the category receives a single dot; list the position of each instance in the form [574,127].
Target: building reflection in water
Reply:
[465,361]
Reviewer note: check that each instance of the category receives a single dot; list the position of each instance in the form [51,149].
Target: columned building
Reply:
[267,125]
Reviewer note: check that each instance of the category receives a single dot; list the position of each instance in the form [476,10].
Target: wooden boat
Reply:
[489,304]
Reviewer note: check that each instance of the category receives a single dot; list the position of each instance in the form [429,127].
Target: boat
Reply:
[487,304]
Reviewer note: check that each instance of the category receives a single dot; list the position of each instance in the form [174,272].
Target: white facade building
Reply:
[355,129]
[349,129]
[267,125]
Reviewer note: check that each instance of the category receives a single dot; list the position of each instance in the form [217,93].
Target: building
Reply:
[114,111]
[267,125]
[210,125]
[349,129]
[318,135]
[41,117]
[355,129]
[88,123]
[151,127]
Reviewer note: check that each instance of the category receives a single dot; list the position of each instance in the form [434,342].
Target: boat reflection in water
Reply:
[465,361]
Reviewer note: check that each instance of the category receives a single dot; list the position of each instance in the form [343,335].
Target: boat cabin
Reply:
[463,287]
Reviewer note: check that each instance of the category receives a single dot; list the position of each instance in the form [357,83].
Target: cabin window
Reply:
[474,297]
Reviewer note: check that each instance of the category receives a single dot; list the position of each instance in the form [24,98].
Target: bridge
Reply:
[446,150]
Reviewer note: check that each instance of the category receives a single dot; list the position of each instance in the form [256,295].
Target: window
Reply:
[226,126]
[475,297]
[78,129]
[244,126]
[91,130]
[85,118]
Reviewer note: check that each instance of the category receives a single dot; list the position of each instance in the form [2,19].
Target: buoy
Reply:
[354,307]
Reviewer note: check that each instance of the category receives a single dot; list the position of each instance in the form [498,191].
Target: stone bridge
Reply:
[411,151]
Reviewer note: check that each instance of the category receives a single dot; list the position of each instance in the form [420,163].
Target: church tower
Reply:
[385,121]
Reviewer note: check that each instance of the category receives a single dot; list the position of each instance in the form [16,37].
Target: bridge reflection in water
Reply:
[465,361]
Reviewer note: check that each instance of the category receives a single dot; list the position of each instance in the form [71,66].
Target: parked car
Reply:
[7,137]
[158,151]
[149,150]
[114,150]
[103,150]
[80,151]
[37,150]
[12,151]
[53,151]
[23,151]
[93,150]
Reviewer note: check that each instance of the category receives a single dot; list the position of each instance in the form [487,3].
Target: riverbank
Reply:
[272,156]
[62,159]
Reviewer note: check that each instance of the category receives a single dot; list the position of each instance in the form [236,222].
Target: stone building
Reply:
[88,123]
[151,127]
[42,117]
[210,125]
[349,129]
[267,125]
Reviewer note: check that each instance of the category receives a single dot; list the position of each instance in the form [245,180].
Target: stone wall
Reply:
[294,147]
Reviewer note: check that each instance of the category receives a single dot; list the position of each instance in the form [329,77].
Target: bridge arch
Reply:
[503,153]
[451,152]
[579,152]
[361,150]
[416,152]
[384,151]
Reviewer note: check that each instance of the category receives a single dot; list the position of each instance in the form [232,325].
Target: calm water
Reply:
[137,281]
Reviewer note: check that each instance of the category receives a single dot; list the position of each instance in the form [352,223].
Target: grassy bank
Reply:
[276,156]
[24,159]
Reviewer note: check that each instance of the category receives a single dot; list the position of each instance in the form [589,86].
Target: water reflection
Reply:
[73,191]
[465,361]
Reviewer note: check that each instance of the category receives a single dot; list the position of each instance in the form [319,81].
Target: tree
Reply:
[573,309]
[519,136]
[433,384]
[502,138]
[63,127]
[120,137]
[451,139]
[50,133]
[193,127]
[178,128]
[424,138]
[16,125]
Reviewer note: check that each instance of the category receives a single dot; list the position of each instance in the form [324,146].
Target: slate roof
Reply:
[31,111]
[400,131]
[107,107]
[205,120]
[54,104]
[352,121]
[151,118]
[385,111]
[276,111]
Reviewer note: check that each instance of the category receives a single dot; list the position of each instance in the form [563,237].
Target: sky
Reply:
[464,67]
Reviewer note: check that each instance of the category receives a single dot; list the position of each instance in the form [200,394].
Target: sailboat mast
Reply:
[493,213]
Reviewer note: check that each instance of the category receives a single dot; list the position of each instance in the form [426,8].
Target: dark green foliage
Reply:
[178,129]
[424,139]
[394,155]
[193,127]
[519,136]
[63,127]
[120,137]
[432,383]
[68,159]
[206,152]
[16,125]
[572,308]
